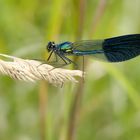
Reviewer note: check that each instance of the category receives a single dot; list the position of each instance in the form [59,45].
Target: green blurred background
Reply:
[106,107]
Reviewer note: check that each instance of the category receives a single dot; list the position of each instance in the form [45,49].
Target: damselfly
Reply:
[116,49]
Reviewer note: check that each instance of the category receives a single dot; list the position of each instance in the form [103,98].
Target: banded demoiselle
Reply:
[116,49]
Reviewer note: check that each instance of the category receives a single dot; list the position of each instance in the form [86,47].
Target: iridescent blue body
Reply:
[114,49]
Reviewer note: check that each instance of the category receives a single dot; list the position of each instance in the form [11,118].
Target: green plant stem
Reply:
[42,109]
[74,112]
[75,109]
[100,10]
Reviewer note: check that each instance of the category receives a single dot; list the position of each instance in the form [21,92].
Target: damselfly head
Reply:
[51,46]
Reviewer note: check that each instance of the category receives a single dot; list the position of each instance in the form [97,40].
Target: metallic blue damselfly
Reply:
[116,49]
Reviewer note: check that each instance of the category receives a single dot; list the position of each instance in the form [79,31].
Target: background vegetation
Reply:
[105,107]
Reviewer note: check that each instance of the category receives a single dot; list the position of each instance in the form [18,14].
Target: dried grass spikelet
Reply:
[32,70]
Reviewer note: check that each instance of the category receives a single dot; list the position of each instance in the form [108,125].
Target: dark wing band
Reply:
[122,48]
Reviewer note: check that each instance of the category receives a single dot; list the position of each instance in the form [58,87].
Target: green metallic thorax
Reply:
[66,48]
